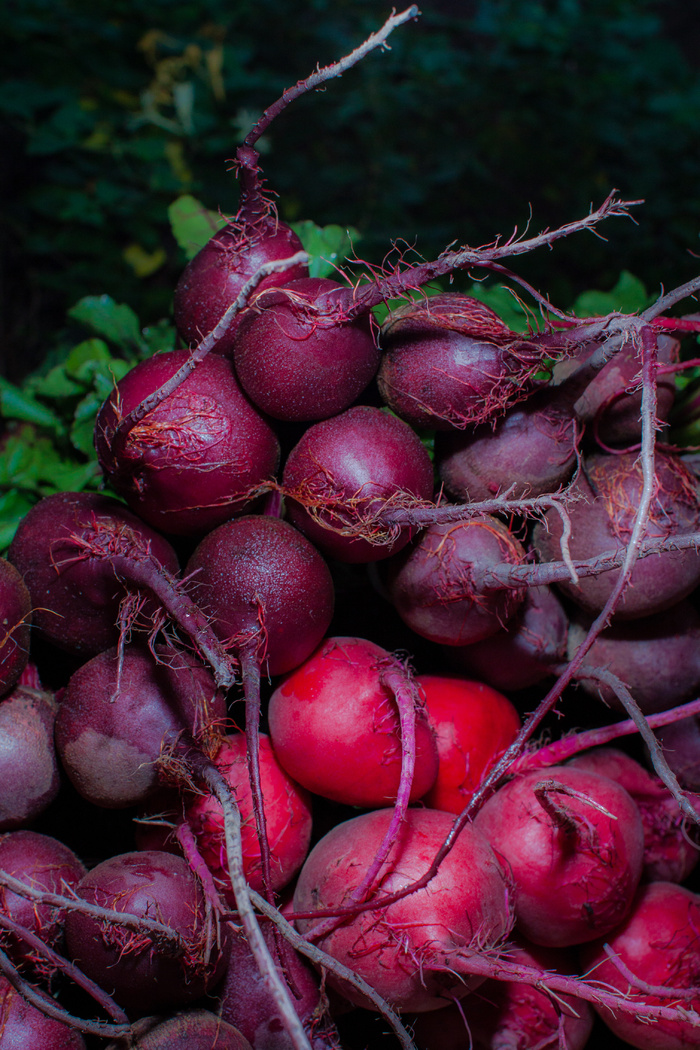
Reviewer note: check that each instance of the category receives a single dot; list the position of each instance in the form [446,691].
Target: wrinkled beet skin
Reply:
[116,717]
[361,454]
[609,489]
[24,1027]
[528,451]
[430,584]
[76,599]
[193,462]
[213,279]
[296,357]
[260,570]
[568,889]
[29,769]
[335,727]
[157,885]
[15,625]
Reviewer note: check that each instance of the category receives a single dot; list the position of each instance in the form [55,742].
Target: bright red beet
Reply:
[24,1027]
[576,866]
[409,950]
[473,724]
[334,725]
[287,808]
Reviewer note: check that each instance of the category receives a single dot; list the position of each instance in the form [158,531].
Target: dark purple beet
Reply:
[263,582]
[433,583]
[528,451]
[525,651]
[657,657]
[297,356]
[43,863]
[195,460]
[24,1027]
[680,742]
[145,973]
[188,1030]
[76,597]
[608,490]
[214,278]
[15,625]
[611,403]
[449,361]
[246,1003]
[29,769]
[115,718]
[344,464]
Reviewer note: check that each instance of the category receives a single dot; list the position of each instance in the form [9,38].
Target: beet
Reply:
[607,493]
[298,358]
[525,651]
[657,657]
[118,713]
[187,1030]
[528,451]
[195,460]
[449,361]
[28,763]
[287,809]
[15,625]
[576,867]
[42,863]
[144,973]
[258,575]
[213,279]
[75,596]
[24,1027]
[347,468]
[433,582]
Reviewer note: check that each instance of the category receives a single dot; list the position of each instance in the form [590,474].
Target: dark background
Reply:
[483,113]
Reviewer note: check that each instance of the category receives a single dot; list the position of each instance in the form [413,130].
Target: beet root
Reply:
[15,625]
[29,767]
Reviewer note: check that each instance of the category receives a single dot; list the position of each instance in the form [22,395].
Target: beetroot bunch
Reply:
[270,718]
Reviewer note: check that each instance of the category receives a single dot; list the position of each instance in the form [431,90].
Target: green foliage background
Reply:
[482,114]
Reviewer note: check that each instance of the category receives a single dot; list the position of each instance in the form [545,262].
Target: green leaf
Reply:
[381,311]
[192,224]
[116,322]
[503,301]
[13,506]
[628,297]
[16,404]
[328,246]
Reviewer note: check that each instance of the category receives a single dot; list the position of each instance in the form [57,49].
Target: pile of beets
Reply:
[320,740]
